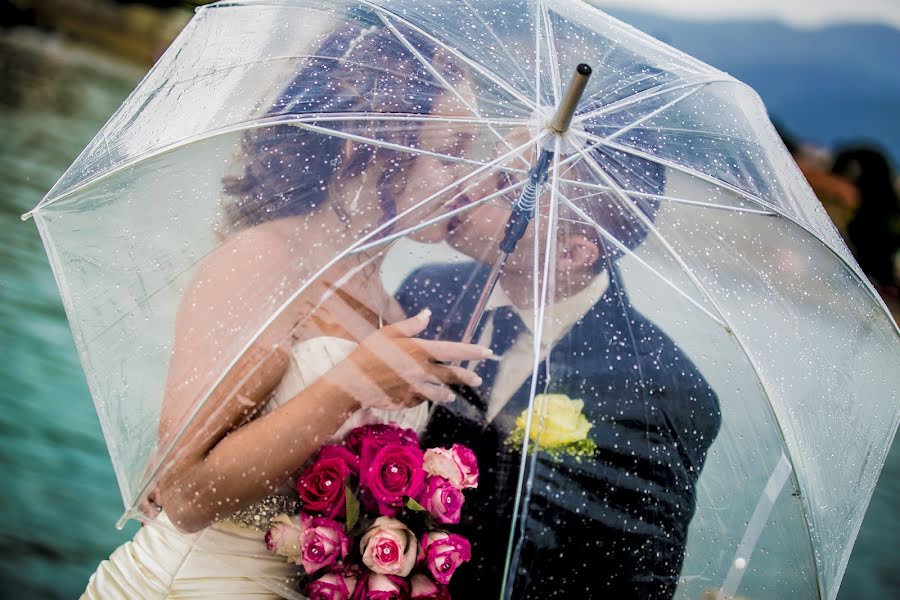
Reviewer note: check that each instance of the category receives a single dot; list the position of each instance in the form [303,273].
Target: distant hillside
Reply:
[827,86]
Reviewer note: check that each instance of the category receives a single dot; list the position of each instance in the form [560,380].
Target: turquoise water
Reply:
[60,499]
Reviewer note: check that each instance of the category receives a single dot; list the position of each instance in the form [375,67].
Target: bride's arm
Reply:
[232,465]
[221,462]
[225,460]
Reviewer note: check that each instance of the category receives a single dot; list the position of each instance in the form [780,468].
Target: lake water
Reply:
[60,496]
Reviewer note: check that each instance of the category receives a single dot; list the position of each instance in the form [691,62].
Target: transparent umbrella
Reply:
[694,385]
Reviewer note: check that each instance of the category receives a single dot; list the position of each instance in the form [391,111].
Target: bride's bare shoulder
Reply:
[250,267]
[267,247]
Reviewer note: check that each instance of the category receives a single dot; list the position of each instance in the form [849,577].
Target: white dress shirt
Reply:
[517,363]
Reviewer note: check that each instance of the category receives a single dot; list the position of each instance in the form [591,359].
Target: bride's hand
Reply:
[391,369]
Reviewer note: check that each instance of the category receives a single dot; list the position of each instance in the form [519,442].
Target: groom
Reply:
[612,520]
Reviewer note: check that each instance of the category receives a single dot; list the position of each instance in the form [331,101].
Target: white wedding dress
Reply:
[229,559]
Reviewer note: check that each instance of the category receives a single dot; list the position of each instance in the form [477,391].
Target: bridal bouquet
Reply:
[373,516]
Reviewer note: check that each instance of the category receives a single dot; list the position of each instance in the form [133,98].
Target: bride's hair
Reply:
[290,168]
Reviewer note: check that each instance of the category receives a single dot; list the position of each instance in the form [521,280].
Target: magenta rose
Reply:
[380,434]
[442,500]
[385,587]
[321,485]
[338,583]
[442,553]
[341,453]
[468,464]
[283,536]
[422,587]
[322,543]
[393,472]
[389,547]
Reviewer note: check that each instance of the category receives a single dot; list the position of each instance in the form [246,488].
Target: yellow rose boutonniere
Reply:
[558,427]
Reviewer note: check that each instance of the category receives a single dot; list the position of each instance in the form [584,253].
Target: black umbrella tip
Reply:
[584,69]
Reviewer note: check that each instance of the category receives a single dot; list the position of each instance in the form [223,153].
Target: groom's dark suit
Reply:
[612,525]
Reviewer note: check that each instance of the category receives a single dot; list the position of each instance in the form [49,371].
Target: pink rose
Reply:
[442,500]
[393,472]
[423,588]
[321,485]
[389,547]
[380,435]
[322,543]
[439,462]
[443,552]
[337,584]
[458,465]
[467,463]
[385,587]
[283,536]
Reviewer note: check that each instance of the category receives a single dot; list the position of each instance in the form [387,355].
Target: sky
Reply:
[800,13]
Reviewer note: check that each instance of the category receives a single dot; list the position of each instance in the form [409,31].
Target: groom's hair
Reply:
[290,169]
[624,201]
[621,213]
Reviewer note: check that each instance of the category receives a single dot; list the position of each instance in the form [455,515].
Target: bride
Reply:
[324,364]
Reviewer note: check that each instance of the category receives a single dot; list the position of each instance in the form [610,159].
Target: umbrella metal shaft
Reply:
[522,213]
[523,209]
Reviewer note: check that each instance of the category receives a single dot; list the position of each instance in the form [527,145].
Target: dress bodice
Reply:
[312,358]
[309,360]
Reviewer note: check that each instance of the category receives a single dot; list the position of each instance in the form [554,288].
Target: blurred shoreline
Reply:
[139,33]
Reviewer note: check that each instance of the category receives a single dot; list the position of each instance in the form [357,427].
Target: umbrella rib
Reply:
[524,485]
[374,244]
[292,119]
[484,71]
[673,199]
[578,12]
[654,113]
[502,45]
[434,220]
[388,71]
[617,86]
[400,116]
[639,214]
[554,55]
[491,76]
[363,248]
[625,249]
[677,167]
[427,64]
[706,134]
[537,56]
[389,145]
[652,92]
[213,72]
[863,282]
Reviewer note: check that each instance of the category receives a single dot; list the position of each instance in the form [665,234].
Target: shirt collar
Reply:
[559,318]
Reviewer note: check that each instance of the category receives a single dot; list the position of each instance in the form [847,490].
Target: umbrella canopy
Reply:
[699,359]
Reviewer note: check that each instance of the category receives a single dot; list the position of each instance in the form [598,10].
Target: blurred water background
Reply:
[60,498]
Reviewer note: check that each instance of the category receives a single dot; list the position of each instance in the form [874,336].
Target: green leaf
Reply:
[413,505]
[352,505]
